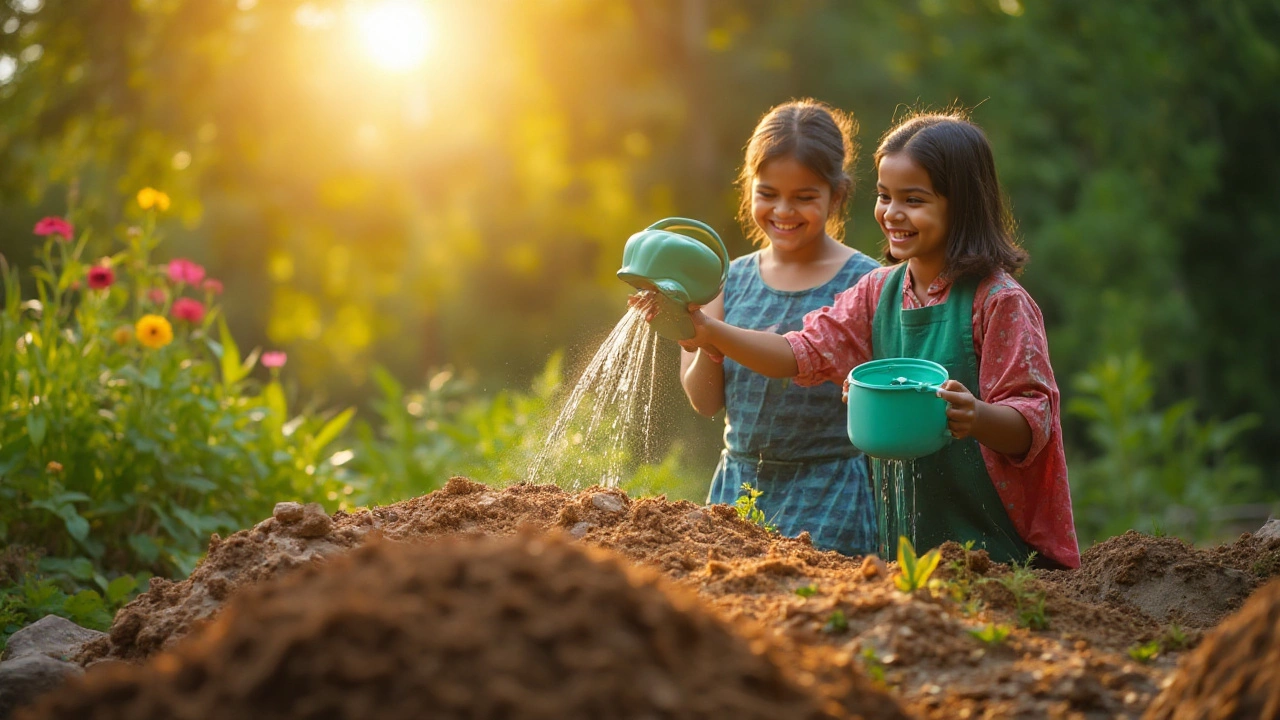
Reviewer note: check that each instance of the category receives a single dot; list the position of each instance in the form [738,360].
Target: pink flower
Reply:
[212,286]
[157,295]
[54,226]
[187,309]
[274,359]
[101,277]
[183,270]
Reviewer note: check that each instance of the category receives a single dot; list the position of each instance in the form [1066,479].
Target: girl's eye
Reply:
[764,194]
[914,200]
[806,199]
[883,197]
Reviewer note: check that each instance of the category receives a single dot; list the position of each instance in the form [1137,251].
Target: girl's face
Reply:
[790,203]
[912,215]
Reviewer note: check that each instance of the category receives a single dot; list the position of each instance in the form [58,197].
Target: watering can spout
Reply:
[684,261]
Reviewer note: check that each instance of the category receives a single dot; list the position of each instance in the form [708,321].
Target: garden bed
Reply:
[836,631]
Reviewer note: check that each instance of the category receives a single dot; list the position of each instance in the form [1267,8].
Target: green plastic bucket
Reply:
[897,421]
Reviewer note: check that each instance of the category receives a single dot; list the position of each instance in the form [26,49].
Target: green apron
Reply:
[952,494]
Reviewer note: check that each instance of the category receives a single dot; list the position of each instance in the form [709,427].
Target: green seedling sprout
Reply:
[749,511]
[1146,652]
[1029,601]
[991,633]
[914,572]
[836,623]
[873,664]
[807,591]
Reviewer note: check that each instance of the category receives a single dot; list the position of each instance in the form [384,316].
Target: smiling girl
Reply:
[782,439]
[950,298]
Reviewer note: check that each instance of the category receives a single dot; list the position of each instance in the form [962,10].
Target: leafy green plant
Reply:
[749,510]
[132,428]
[914,572]
[836,623]
[1174,638]
[35,596]
[991,633]
[872,663]
[1152,469]
[1145,652]
[962,585]
[1028,599]
[807,591]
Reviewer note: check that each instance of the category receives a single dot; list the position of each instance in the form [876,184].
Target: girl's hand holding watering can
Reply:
[647,303]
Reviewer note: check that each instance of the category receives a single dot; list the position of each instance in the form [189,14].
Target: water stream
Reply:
[895,485]
[591,440]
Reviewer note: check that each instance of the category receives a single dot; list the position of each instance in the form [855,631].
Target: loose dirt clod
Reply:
[531,626]
[1235,673]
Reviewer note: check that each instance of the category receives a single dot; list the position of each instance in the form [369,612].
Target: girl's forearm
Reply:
[764,352]
[703,381]
[1002,429]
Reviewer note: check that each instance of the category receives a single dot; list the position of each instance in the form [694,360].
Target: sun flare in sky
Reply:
[395,33]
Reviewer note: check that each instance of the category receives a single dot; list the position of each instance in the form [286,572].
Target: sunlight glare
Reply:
[395,33]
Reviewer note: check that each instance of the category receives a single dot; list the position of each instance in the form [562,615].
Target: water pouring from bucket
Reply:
[682,262]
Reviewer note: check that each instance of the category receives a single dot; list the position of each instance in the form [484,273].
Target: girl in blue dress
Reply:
[788,441]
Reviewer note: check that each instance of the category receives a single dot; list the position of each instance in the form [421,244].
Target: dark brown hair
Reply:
[982,235]
[819,137]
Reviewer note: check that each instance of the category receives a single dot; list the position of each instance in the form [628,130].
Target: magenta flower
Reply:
[183,270]
[274,359]
[101,277]
[187,309]
[157,295]
[212,286]
[54,226]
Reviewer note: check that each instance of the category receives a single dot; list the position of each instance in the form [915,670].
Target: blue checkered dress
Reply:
[788,441]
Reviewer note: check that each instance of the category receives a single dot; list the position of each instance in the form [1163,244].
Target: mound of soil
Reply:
[1066,652]
[1235,673]
[530,626]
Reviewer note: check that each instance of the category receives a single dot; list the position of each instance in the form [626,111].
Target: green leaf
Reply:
[36,426]
[331,430]
[144,547]
[229,360]
[76,568]
[151,378]
[199,484]
[119,589]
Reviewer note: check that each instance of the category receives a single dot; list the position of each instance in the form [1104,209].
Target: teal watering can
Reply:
[894,410]
[684,261]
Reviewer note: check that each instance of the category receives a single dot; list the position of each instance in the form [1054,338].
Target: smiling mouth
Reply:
[901,235]
[786,227]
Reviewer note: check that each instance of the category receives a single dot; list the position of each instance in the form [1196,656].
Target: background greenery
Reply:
[424,242]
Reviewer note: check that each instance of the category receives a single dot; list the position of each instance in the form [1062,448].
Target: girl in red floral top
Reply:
[950,298]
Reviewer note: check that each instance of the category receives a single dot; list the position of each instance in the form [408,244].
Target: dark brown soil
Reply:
[1131,591]
[530,626]
[1235,673]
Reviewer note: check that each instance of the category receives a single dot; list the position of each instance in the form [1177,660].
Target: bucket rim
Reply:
[883,363]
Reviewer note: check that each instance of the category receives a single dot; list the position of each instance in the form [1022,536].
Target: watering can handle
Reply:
[699,230]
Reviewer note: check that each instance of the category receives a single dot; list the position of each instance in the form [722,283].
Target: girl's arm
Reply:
[702,373]
[767,353]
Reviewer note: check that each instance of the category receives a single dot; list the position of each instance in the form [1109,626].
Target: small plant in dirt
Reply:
[836,623]
[914,572]
[991,633]
[962,585]
[807,591]
[872,663]
[1146,652]
[34,597]
[1174,638]
[749,510]
[1028,598]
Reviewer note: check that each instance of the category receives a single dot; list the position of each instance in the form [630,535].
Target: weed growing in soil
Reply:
[1029,600]
[872,663]
[1146,652]
[748,510]
[807,591]
[962,584]
[992,633]
[914,572]
[836,623]
[1174,638]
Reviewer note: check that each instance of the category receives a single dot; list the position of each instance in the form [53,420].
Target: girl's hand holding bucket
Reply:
[962,408]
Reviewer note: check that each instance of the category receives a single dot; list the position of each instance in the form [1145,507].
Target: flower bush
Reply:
[133,428]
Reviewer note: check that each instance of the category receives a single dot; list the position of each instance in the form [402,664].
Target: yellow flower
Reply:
[150,197]
[154,331]
[122,335]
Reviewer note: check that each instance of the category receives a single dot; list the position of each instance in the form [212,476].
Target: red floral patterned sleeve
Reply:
[837,338]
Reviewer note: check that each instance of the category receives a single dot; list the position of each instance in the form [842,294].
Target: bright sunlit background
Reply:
[420,184]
